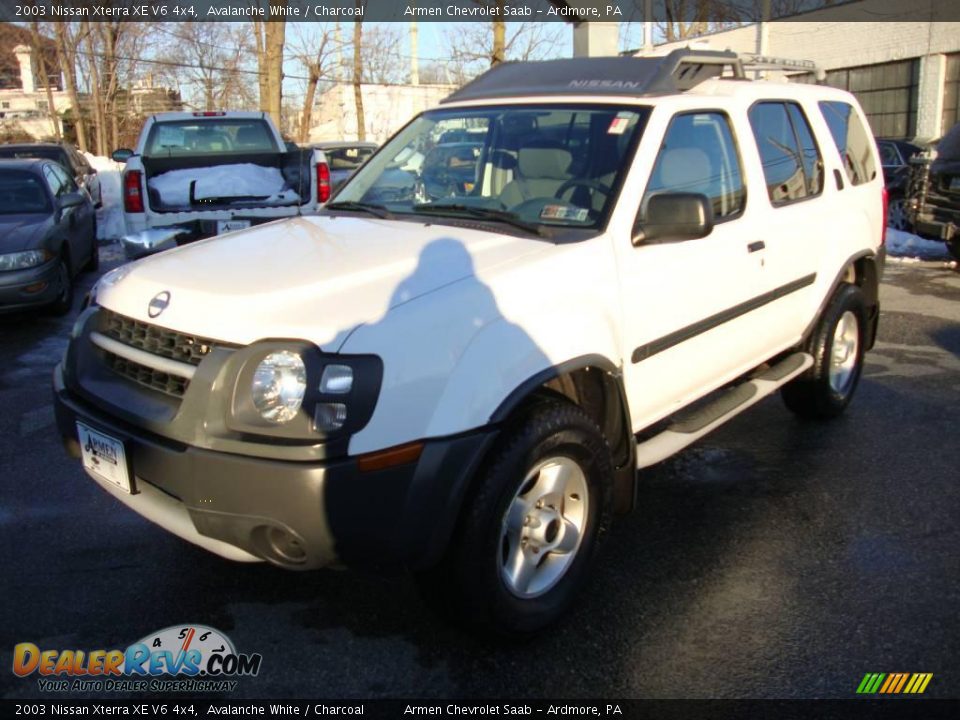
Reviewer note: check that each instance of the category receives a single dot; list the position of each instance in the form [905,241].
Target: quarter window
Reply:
[699,155]
[854,143]
[792,165]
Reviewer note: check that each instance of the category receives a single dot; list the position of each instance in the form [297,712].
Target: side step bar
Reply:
[688,428]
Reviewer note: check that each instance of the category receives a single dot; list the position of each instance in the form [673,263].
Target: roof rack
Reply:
[681,70]
[766,62]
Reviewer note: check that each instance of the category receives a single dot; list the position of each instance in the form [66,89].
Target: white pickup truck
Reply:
[198,174]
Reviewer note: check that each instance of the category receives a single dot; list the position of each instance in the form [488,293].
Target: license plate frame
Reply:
[105,457]
[225,226]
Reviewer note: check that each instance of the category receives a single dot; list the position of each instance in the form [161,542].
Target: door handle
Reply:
[754,246]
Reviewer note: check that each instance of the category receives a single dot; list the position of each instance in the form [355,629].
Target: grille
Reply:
[164,382]
[156,340]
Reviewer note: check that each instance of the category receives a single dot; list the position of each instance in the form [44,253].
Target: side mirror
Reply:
[122,155]
[674,217]
[72,199]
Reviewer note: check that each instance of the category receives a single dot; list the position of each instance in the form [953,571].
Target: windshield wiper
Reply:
[373,208]
[483,213]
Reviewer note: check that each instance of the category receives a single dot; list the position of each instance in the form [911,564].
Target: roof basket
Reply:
[681,70]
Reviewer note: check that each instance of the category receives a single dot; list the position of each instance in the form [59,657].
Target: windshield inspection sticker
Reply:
[619,124]
[563,212]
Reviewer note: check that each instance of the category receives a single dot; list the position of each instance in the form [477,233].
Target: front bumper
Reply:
[298,515]
[30,287]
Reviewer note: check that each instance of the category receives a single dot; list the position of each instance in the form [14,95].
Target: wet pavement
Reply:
[775,558]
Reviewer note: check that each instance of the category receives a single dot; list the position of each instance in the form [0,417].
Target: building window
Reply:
[951,94]
[5,105]
[41,105]
[887,93]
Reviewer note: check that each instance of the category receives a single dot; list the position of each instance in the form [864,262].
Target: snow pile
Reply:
[110,222]
[222,181]
[905,245]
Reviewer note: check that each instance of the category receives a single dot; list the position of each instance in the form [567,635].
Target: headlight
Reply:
[25,259]
[279,383]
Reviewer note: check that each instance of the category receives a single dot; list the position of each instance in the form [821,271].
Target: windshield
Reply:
[21,192]
[542,165]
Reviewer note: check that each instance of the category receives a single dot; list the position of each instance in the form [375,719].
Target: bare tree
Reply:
[45,76]
[67,57]
[383,60]
[315,47]
[206,62]
[269,35]
[358,71]
[471,48]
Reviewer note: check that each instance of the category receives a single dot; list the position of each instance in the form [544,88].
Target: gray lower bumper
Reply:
[298,515]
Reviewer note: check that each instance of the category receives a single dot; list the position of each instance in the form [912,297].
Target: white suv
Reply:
[461,364]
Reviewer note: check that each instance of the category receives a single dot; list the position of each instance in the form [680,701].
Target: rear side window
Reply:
[853,142]
[699,155]
[792,165]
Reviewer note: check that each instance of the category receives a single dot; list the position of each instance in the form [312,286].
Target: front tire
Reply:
[525,538]
[64,302]
[837,346]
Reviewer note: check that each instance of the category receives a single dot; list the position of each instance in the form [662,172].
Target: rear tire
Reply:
[837,346]
[527,533]
[897,216]
[93,264]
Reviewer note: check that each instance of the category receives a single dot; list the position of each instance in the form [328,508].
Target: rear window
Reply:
[852,140]
[192,137]
[44,153]
[22,192]
[348,158]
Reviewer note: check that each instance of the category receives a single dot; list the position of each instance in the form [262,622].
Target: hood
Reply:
[20,232]
[313,278]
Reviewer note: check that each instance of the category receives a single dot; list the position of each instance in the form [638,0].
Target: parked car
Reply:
[67,155]
[48,233]
[467,385]
[895,158]
[933,199]
[195,175]
[344,156]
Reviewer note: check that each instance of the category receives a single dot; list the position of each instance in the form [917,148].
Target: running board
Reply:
[687,428]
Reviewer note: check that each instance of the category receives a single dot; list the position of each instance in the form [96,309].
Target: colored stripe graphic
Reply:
[894,683]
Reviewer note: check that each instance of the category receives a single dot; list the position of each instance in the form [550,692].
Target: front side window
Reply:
[699,155]
[54,181]
[854,143]
[540,165]
[792,166]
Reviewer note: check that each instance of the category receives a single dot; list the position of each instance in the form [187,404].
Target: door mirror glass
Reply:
[674,217]
[72,199]
[122,155]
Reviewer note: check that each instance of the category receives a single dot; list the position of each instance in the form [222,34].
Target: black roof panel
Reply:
[615,76]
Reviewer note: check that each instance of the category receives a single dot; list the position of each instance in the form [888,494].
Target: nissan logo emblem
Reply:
[158,304]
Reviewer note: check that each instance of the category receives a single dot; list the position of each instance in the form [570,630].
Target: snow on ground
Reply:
[240,180]
[110,222]
[905,245]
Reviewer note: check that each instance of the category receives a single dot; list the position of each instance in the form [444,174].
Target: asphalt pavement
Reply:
[776,558]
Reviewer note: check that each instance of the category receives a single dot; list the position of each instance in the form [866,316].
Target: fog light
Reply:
[329,416]
[336,380]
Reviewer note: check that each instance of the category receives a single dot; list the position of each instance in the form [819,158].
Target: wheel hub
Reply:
[843,353]
[543,526]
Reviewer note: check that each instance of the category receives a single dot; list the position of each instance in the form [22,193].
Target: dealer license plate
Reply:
[224,226]
[104,456]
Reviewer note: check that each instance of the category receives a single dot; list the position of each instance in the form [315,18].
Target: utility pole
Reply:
[414,58]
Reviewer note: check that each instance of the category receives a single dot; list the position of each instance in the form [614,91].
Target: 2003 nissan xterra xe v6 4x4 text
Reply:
[464,376]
